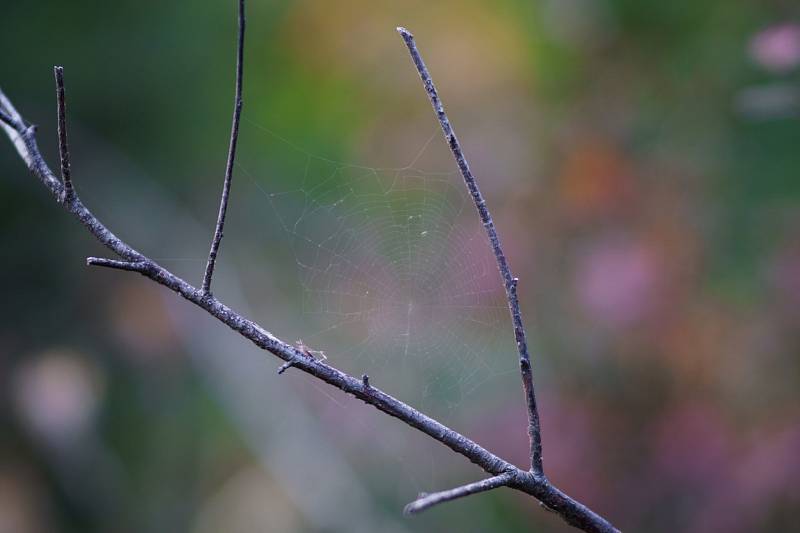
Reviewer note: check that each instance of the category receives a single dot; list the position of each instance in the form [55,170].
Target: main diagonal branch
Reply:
[503,472]
[509,281]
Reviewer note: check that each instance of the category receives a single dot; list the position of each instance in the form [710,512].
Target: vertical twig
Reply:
[226,186]
[510,282]
[63,147]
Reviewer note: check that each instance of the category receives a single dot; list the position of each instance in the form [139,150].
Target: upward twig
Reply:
[509,281]
[63,147]
[226,185]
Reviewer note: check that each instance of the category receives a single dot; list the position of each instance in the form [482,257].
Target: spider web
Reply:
[396,273]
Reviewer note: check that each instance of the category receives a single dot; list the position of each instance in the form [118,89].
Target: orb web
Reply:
[397,277]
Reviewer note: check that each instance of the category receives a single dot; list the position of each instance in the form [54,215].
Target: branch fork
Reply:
[503,473]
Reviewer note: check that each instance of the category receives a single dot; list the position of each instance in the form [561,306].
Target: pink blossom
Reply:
[617,281]
[777,48]
[56,395]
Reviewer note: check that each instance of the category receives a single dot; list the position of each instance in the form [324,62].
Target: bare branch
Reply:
[532,483]
[509,281]
[63,147]
[426,501]
[226,185]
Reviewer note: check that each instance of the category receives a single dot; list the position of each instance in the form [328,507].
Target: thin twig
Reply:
[226,185]
[6,118]
[509,281]
[131,266]
[63,147]
[426,501]
[572,511]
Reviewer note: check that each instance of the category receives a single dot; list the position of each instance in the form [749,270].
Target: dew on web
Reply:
[397,277]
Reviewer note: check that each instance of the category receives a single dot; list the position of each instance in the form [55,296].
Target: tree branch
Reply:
[226,185]
[426,501]
[63,147]
[536,485]
[509,281]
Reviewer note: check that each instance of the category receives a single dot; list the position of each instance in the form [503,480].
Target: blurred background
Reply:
[640,158]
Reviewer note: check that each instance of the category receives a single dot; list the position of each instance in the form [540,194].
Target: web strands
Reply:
[396,274]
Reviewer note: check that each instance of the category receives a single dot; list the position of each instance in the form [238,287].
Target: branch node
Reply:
[286,366]
[365,381]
